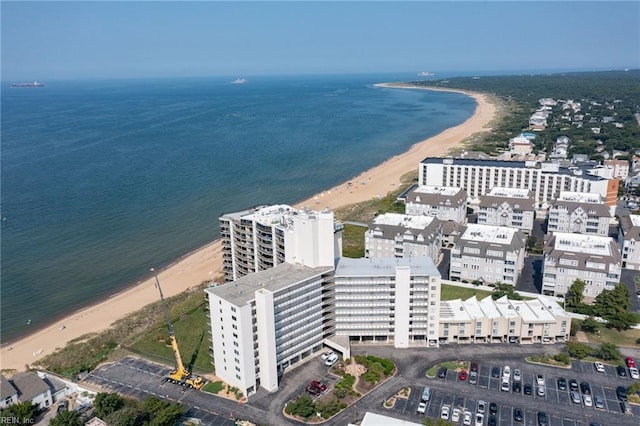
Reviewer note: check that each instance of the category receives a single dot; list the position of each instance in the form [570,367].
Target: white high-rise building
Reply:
[400,235]
[258,239]
[594,259]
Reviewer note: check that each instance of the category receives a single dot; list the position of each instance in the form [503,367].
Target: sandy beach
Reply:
[205,263]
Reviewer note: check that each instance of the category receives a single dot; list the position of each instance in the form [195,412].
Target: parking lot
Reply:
[456,393]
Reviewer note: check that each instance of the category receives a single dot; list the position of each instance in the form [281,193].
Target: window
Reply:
[233,309]
[233,318]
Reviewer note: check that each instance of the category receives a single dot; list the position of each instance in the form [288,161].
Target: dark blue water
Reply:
[103,179]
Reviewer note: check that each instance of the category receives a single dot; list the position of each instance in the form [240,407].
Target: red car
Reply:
[462,375]
[318,385]
[630,362]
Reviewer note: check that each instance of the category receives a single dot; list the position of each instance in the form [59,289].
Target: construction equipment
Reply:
[181,376]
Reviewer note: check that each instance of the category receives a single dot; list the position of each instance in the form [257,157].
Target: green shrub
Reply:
[563,357]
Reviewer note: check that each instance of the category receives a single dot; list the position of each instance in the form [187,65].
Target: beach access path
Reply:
[206,262]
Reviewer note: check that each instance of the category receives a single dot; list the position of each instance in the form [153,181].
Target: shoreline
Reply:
[205,263]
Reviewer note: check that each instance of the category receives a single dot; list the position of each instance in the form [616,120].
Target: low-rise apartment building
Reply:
[487,254]
[540,320]
[629,238]
[445,203]
[620,168]
[577,212]
[594,259]
[400,235]
[260,238]
[387,300]
[512,207]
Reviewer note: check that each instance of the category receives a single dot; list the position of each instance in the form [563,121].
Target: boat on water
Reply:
[31,84]
[426,74]
[239,81]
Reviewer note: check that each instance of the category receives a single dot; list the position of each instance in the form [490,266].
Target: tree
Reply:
[66,418]
[107,403]
[503,289]
[573,297]
[25,411]
[127,416]
[613,306]
[609,351]
[579,350]
[590,325]
[170,415]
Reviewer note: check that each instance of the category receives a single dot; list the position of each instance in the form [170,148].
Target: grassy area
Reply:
[620,338]
[213,387]
[353,241]
[452,292]
[450,365]
[193,341]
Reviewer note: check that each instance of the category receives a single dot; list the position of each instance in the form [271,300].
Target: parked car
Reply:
[630,361]
[506,372]
[493,408]
[599,402]
[585,388]
[319,385]
[473,377]
[588,402]
[517,375]
[462,375]
[481,407]
[599,366]
[331,359]
[518,415]
[633,372]
[426,394]
[516,387]
[442,372]
[562,383]
[621,393]
[495,372]
[474,367]
[455,415]
[479,419]
[493,421]
[539,379]
[575,397]
[466,418]
[543,419]
[622,372]
[540,391]
[313,391]
[505,385]
[444,412]
[422,408]
[573,385]
[528,389]
[326,355]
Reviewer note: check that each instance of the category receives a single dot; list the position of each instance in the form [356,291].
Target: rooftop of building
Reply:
[511,192]
[385,266]
[581,243]
[436,195]
[441,190]
[580,197]
[541,309]
[6,388]
[373,419]
[635,219]
[276,214]
[403,220]
[29,385]
[281,276]
[489,233]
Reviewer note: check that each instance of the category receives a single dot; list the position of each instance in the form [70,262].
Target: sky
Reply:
[87,39]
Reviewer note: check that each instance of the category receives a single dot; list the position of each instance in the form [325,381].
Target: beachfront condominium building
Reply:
[265,322]
[620,168]
[592,258]
[545,180]
[579,212]
[541,320]
[387,300]
[629,238]
[487,254]
[445,203]
[401,235]
[512,207]
[260,238]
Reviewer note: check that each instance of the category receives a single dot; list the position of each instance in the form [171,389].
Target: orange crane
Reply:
[181,375]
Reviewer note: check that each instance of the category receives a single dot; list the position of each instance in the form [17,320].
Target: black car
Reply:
[442,372]
[517,387]
[493,408]
[585,388]
[517,415]
[528,389]
[495,372]
[562,383]
[622,371]
[543,419]
[492,421]
[573,385]
[474,367]
[621,393]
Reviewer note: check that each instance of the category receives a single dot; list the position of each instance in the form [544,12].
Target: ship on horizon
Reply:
[31,84]
[426,74]
[239,81]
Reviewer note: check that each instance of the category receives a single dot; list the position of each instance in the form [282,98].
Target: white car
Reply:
[326,355]
[479,419]
[332,359]
[540,379]
[633,372]
[422,407]
[506,372]
[466,418]
[505,385]
[517,375]
[599,366]
[588,402]
[540,391]
[455,415]
[444,412]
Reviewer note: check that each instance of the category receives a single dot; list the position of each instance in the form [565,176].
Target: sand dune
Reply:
[205,263]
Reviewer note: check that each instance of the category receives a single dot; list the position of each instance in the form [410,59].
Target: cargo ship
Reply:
[32,84]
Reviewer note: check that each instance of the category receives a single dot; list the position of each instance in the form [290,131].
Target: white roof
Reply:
[542,309]
[403,220]
[510,192]
[373,419]
[280,213]
[489,233]
[635,219]
[580,243]
[442,190]
[580,197]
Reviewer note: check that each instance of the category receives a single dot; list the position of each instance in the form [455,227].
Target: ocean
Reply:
[102,180]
